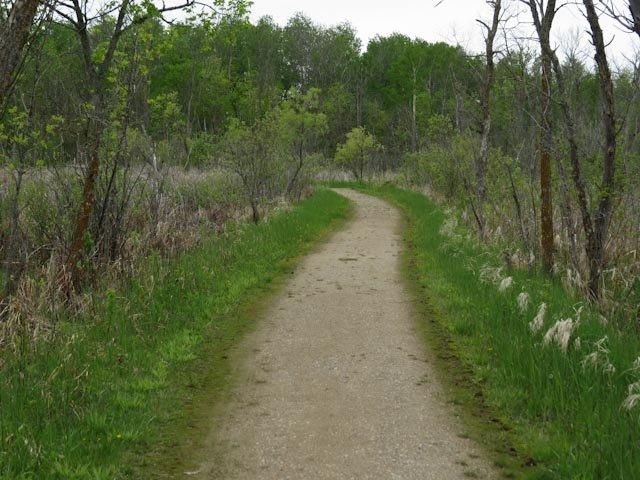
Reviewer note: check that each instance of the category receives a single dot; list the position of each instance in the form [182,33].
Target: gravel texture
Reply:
[335,382]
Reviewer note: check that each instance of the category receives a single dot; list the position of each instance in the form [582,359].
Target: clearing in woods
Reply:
[335,383]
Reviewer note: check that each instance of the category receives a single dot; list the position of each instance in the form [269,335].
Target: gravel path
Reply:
[335,383]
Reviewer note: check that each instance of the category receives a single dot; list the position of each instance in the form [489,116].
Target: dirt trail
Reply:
[335,383]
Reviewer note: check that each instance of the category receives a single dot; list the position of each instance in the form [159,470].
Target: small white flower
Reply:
[523,302]
[505,284]
[538,322]
[560,334]
[577,343]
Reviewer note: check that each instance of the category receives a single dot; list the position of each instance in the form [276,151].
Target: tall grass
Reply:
[572,410]
[109,382]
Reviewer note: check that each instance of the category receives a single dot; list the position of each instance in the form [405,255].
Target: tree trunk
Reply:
[13,39]
[543,21]
[294,178]
[602,217]
[481,172]
[546,147]
[255,212]
[518,207]
[97,76]
[634,8]
[86,207]
[414,115]
[485,106]
[360,92]
[13,265]
[567,213]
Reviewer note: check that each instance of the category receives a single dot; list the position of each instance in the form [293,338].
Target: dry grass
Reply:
[163,216]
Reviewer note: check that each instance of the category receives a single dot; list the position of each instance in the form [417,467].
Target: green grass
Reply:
[562,418]
[110,385]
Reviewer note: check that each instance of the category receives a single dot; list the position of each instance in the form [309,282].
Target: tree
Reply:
[597,228]
[251,154]
[629,20]
[14,36]
[98,61]
[22,148]
[485,106]
[407,82]
[357,152]
[316,56]
[543,21]
[301,126]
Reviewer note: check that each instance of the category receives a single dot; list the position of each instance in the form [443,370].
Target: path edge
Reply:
[177,454]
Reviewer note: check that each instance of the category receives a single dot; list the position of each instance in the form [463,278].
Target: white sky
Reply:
[454,21]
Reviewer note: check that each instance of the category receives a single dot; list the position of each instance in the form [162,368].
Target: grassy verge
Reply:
[109,385]
[562,410]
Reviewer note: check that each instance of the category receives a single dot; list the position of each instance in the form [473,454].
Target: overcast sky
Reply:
[454,21]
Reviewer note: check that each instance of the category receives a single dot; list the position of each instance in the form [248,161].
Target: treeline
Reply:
[125,132]
[190,80]
[111,110]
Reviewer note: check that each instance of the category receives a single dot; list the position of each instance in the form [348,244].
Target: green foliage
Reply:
[356,154]
[301,122]
[397,69]
[22,145]
[445,165]
[439,129]
[252,154]
[202,149]
[301,127]
[166,119]
[87,404]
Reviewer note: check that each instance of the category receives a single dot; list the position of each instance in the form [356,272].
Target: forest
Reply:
[135,132]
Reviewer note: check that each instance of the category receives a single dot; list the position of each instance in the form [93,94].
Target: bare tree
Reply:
[485,106]
[629,20]
[597,228]
[543,17]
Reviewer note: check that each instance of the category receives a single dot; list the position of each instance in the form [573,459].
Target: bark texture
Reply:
[14,36]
